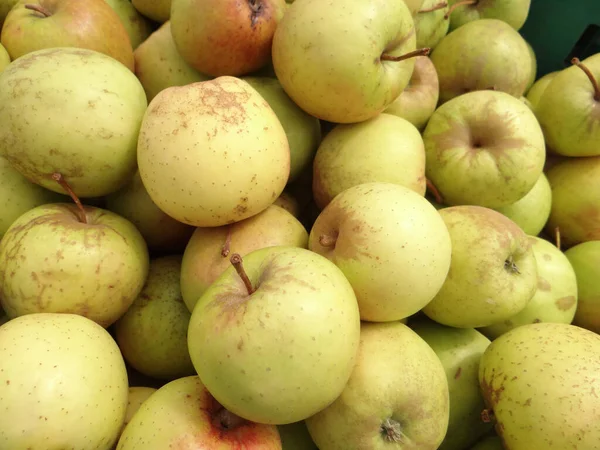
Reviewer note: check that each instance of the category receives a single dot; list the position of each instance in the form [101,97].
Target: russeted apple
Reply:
[156,10]
[513,12]
[137,26]
[390,243]
[212,153]
[585,260]
[269,327]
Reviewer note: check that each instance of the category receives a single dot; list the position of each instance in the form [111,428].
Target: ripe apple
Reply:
[208,252]
[63,383]
[513,12]
[493,271]
[221,135]
[483,148]
[535,92]
[79,114]
[390,243]
[183,414]
[267,329]
[431,23]
[225,37]
[156,10]
[348,69]
[137,26]
[4,58]
[385,148]
[585,259]
[397,396]
[41,24]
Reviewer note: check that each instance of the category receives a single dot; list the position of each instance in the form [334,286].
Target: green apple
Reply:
[206,255]
[459,351]
[566,110]
[4,58]
[575,200]
[391,244]
[397,396]
[585,259]
[489,443]
[5,7]
[156,10]
[137,396]
[183,415]
[344,62]
[79,114]
[555,299]
[226,149]
[535,92]
[483,54]
[513,12]
[431,23]
[64,384]
[493,272]
[414,6]
[267,329]
[531,212]
[295,436]
[539,383]
[484,148]
[137,26]
[419,99]
[385,149]
[42,24]
[225,37]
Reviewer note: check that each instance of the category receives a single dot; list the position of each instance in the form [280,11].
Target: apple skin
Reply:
[555,299]
[513,12]
[385,148]
[91,25]
[327,56]
[182,414]
[585,259]
[397,378]
[535,92]
[137,396]
[431,26]
[288,202]
[304,301]
[414,6]
[390,243]
[137,26]
[493,272]
[484,148]
[156,10]
[4,58]
[64,383]
[533,59]
[51,262]
[225,37]
[203,260]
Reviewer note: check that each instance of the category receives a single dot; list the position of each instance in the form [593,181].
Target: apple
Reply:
[79,114]
[414,6]
[268,328]
[493,273]
[4,58]
[348,69]
[513,12]
[41,24]
[137,26]
[431,23]
[533,58]
[390,243]
[585,259]
[156,10]
[5,7]
[419,99]
[295,436]
[535,92]
[397,396]
[158,64]
[386,148]
[225,37]
[207,254]
[483,54]
[183,414]
[137,396]
[288,202]
[221,134]
[63,384]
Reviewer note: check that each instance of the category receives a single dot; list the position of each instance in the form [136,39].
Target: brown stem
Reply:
[457,4]
[39,9]
[63,183]
[236,261]
[589,74]
[434,191]
[226,246]
[557,237]
[419,52]
[437,7]
[327,241]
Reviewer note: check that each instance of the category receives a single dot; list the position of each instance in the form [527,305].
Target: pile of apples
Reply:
[334,225]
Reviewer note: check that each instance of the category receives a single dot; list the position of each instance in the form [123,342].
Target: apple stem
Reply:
[391,430]
[437,7]
[557,237]
[39,9]
[226,246]
[511,266]
[456,5]
[589,74]
[63,183]
[327,241]
[236,261]
[434,191]
[419,52]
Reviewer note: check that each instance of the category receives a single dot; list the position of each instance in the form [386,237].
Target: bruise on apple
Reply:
[565,303]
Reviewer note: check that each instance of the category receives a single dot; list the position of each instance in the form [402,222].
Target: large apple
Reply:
[391,244]
[183,415]
[39,24]
[493,272]
[484,148]
[397,396]
[268,328]
[585,260]
[348,69]
[513,12]
[137,26]
[226,157]
[79,114]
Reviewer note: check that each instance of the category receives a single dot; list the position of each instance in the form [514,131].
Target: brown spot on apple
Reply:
[544,285]
[565,303]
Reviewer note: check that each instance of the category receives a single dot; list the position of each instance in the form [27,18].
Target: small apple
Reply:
[137,26]
[513,12]
[585,259]
[535,92]
[156,10]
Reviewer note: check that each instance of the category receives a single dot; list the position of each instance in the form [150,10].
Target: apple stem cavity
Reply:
[557,238]
[511,266]
[458,4]
[434,191]
[226,246]
[589,74]
[58,177]
[39,9]
[487,416]
[327,241]
[437,7]
[256,7]
[419,52]
[226,420]
[391,430]
[236,261]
